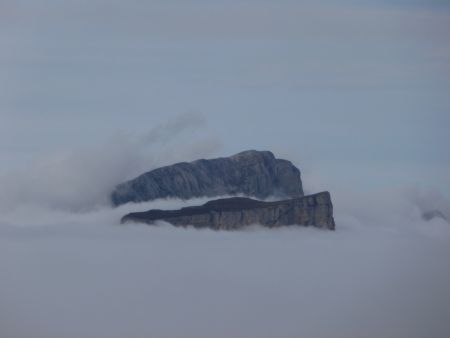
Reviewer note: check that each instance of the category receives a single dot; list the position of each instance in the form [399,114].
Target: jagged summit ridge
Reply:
[252,173]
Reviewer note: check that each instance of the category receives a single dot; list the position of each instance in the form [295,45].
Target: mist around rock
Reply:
[83,275]
[97,92]
[69,269]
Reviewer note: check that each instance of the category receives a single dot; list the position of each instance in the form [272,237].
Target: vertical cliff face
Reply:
[252,173]
[235,213]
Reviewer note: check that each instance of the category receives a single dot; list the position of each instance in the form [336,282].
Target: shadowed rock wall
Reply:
[252,173]
[234,213]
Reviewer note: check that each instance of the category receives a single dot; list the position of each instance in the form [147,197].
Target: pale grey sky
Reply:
[355,92]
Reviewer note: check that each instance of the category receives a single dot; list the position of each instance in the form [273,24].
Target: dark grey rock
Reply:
[234,213]
[252,173]
[429,215]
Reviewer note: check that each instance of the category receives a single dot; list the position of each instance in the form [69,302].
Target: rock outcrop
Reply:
[234,213]
[432,214]
[252,173]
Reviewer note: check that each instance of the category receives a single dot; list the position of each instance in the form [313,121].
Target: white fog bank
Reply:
[82,275]
[68,269]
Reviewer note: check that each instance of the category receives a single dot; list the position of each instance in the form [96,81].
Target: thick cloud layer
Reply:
[355,93]
[70,270]
[85,276]
[67,274]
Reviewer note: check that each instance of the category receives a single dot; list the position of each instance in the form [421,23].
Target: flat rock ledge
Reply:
[237,212]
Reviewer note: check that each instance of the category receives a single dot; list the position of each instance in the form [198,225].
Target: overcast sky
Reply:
[354,91]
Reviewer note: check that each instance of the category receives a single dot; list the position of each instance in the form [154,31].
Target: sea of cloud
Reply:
[68,269]
[80,275]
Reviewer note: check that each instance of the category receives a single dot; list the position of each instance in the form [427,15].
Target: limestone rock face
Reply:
[252,173]
[234,213]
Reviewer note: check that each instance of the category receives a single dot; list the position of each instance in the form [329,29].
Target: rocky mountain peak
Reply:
[251,173]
